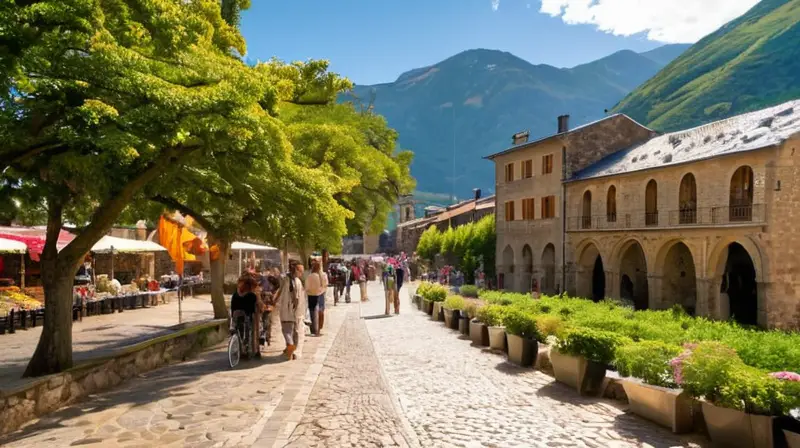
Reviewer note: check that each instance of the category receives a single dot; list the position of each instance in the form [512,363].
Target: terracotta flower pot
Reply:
[578,372]
[667,407]
[792,438]
[522,351]
[479,333]
[737,429]
[497,338]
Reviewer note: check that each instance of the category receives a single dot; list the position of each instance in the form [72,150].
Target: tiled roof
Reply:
[747,132]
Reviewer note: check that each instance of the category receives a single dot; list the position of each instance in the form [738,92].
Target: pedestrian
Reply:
[246,300]
[316,297]
[293,307]
[390,288]
[322,297]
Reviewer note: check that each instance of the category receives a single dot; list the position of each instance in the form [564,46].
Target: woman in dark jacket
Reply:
[245,299]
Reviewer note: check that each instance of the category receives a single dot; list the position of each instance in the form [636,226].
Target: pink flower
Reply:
[786,376]
[677,362]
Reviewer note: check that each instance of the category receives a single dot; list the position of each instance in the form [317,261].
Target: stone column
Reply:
[763,305]
[654,292]
[704,303]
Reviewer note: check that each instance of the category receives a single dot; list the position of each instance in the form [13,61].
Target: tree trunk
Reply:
[218,279]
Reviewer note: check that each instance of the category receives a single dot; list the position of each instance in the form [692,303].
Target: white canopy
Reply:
[119,245]
[12,247]
[238,245]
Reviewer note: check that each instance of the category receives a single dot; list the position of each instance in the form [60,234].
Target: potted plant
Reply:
[523,337]
[452,307]
[790,424]
[478,331]
[739,402]
[650,386]
[492,317]
[580,358]
[467,314]
[470,291]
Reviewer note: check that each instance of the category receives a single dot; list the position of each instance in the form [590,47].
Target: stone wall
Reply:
[770,238]
[50,393]
[591,143]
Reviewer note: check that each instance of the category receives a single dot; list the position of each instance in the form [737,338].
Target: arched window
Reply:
[586,218]
[687,200]
[741,198]
[611,204]
[651,204]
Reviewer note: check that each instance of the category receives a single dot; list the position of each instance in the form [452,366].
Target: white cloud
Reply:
[662,20]
[495,5]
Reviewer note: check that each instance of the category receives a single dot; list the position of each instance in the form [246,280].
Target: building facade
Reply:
[702,218]
[530,194]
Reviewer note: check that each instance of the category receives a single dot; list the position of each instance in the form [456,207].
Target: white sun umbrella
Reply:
[241,246]
[15,247]
[112,245]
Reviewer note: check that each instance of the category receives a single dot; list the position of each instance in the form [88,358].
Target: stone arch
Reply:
[549,268]
[687,200]
[651,203]
[735,268]
[611,204]
[591,281]
[506,279]
[586,210]
[526,271]
[676,267]
[632,268]
[740,201]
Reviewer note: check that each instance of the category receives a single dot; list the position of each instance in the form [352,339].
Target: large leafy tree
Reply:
[100,99]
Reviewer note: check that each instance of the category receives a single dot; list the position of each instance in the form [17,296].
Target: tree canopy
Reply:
[466,246]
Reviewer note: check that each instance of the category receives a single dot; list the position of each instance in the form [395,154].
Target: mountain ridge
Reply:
[480,97]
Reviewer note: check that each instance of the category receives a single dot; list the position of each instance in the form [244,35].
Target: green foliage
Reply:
[647,360]
[594,345]
[548,325]
[469,291]
[521,323]
[708,367]
[454,303]
[430,243]
[492,315]
[472,307]
[433,292]
[748,64]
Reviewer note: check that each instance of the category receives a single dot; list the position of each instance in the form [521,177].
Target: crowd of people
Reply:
[300,299]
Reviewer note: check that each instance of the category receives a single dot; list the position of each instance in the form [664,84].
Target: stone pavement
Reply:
[199,403]
[457,395]
[101,335]
[351,405]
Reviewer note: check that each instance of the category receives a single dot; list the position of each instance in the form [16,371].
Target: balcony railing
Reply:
[708,216]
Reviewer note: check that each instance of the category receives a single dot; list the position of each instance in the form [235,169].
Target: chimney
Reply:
[563,124]
[477,193]
[519,138]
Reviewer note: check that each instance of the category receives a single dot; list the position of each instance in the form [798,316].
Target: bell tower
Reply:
[406,206]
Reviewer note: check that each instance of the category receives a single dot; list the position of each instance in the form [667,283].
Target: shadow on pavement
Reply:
[631,425]
[378,316]
[172,380]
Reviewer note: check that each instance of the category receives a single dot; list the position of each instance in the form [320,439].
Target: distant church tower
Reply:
[406,206]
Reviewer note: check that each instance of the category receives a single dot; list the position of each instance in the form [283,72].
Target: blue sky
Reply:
[373,41]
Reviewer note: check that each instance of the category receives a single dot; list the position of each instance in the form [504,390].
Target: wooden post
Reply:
[22,273]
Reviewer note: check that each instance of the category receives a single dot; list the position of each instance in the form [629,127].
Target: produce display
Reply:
[12,298]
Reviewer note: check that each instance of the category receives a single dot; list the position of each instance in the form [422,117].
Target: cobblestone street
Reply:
[369,381]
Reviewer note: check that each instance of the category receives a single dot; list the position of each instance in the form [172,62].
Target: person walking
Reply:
[390,288]
[293,307]
[362,281]
[316,296]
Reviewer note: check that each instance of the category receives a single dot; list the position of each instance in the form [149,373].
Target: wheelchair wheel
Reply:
[234,350]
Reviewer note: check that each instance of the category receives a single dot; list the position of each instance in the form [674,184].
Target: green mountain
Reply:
[750,63]
[453,113]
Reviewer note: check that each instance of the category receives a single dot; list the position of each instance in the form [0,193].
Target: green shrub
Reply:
[549,325]
[433,292]
[705,367]
[472,307]
[492,315]
[423,288]
[648,361]
[469,291]
[594,345]
[520,323]
[755,392]
[454,303]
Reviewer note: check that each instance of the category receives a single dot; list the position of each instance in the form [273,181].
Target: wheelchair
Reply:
[240,342]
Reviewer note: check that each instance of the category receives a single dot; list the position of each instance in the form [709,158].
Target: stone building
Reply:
[465,212]
[701,218]
[528,181]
